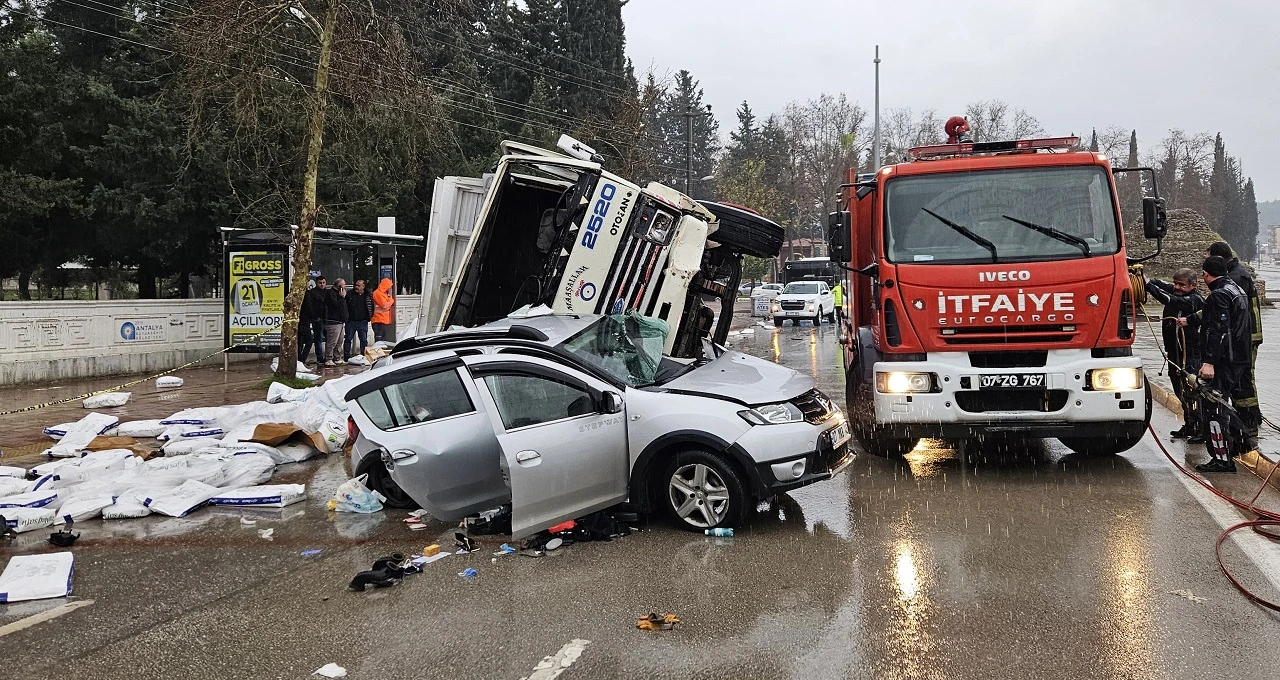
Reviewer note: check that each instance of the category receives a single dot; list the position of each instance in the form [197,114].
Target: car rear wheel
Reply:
[703,491]
[380,480]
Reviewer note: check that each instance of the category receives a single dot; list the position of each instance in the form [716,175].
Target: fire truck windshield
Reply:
[1017,215]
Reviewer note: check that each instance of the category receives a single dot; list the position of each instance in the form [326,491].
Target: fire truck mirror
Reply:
[1155,221]
[839,236]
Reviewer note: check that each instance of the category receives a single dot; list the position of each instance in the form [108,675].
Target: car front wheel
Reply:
[703,491]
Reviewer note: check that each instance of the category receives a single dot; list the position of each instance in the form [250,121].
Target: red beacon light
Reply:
[959,144]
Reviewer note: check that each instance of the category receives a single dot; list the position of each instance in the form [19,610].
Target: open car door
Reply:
[563,436]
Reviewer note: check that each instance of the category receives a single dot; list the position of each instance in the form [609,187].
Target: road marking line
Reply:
[23,624]
[552,666]
[1260,551]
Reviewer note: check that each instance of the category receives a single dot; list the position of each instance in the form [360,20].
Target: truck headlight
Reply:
[772,414]
[1113,379]
[902,382]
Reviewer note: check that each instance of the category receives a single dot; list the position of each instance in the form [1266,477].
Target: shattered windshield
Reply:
[1001,216]
[628,347]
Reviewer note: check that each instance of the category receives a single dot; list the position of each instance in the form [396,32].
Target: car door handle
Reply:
[528,458]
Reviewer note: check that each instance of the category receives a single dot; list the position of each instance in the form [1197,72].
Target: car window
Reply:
[425,398]
[806,288]
[525,400]
[375,406]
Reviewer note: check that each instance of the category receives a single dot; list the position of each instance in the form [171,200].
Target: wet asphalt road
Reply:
[954,563]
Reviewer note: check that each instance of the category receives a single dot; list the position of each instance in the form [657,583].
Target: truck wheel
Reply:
[702,491]
[778,321]
[745,232]
[872,439]
[1091,446]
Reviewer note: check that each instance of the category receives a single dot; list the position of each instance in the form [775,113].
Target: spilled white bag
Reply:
[279,392]
[108,400]
[30,499]
[265,496]
[182,499]
[141,429]
[80,509]
[37,577]
[80,433]
[169,381]
[27,519]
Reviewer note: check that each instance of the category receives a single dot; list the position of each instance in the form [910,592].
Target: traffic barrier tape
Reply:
[131,383]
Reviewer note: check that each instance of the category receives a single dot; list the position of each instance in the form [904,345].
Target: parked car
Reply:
[804,300]
[768,291]
[560,416]
[744,289]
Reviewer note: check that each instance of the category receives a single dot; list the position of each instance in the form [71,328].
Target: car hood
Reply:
[748,380]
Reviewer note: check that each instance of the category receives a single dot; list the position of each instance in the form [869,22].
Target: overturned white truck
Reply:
[546,228]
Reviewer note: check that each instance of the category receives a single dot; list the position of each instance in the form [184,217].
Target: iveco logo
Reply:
[1015,275]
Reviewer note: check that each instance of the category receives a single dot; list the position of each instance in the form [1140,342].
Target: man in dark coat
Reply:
[1246,400]
[1182,345]
[1225,351]
[335,322]
[313,314]
[359,311]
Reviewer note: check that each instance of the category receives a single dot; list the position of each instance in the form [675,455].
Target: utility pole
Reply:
[875,142]
[689,115]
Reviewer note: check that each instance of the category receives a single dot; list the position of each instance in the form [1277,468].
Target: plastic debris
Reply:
[266,533]
[353,496]
[310,553]
[36,577]
[331,670]
[554,543]
[248,522]
[719,531]
[1187,594]
[469,572]
[652,621]
[428,559]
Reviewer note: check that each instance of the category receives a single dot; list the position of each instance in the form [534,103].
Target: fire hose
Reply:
[1262,518]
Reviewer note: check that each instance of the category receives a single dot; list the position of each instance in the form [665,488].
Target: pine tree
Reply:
[1093,141]
[1220,186]
[1249,226]
[744,142]
[1130,184]
[684,100]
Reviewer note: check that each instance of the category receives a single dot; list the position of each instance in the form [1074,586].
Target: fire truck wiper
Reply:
[965,232]
[1069,239]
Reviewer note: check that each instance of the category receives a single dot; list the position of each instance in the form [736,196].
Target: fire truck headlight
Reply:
[1114,379]
[901,382]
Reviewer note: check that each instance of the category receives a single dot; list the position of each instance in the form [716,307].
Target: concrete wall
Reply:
[47,341]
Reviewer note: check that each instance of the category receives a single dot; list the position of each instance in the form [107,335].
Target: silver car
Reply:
[560,416]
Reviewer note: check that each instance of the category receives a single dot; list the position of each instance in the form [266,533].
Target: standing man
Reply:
[1246,403]
[838,294]
[1182,346]
[335,322]
[383,304]
[359,311]
[313,309]
[1224,334]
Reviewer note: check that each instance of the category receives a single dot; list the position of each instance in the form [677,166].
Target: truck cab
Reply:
[988,294]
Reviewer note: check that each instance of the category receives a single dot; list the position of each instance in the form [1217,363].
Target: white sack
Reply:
[183,446]
[27,519]
[309,416]
[203,415]
[37,577]
[52,466]
[57,432]
[293,452]
[81,509]
[12,485]
[279,392]
[30,499]
[108,400]
[266,496]
[334,432]
[93,465]
[12,471]
[358,360]
[204,433]
[177,502]
[246,469]
[127,506]
[170,472]
[141,429]
[80,433]
[308,376]
[169,381]
[275,365]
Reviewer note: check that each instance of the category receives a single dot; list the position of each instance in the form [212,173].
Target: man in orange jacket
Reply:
[383,303]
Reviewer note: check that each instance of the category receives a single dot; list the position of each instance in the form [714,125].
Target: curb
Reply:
[1258,463]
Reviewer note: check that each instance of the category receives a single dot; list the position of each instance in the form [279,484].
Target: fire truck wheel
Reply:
[878,444]
[1096,446]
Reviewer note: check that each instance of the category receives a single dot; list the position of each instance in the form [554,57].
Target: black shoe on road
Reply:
[1217,465]
[1179,433]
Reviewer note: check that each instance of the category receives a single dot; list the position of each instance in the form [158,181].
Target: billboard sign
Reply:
[255,292]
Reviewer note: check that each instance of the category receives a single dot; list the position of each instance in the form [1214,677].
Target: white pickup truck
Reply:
[547,228]
[811,300]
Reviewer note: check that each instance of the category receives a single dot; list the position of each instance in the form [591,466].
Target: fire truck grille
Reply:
[1004,335]
[1039,401]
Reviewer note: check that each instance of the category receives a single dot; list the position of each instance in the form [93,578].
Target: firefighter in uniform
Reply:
[1246,403]
[1225,347]
[1182,346]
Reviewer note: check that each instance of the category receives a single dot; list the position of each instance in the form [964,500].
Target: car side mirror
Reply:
[611,402]
[1155,220]
[839,233]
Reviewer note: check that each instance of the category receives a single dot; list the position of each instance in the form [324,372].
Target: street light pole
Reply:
[875,144]
[688,146]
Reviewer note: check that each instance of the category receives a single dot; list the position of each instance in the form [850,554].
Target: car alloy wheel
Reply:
[698,495]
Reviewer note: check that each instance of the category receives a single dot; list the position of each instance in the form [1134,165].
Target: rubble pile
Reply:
[101,467]
[1188,238]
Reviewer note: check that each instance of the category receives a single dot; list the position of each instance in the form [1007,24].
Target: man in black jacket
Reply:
[335,322]
[359,311]
[1182,346]
[1225,350]
[1246,398]
[313,314]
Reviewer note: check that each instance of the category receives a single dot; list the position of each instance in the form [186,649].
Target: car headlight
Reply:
[902,382]
[772,414]
[1113,379]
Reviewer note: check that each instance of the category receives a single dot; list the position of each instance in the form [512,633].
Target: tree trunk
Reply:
[184,284]
[146,282]
[24,285]
[305,234]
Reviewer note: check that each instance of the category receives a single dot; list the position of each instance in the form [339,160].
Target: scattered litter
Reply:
[652,621]
[416,526]
[169,381]
[505,549]
[36,577]
[464,543]
[27,519]
[1188,595]
[562,527]
[63,538]
[428,559]
[265,496]
[310,553]
[469,572]
[245,521]
[554,543]
[419,513]
[431,550]
[354,496]
[330,670]
[266,533]
[386,572]
[719,531]
[358,360]
[108,400]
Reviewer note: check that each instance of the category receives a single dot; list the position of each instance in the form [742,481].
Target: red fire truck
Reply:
[989,295]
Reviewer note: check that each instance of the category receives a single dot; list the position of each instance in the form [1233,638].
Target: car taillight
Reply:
[353,430]
[1125,330]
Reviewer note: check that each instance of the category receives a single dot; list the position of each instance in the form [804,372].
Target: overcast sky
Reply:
[1074,64]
